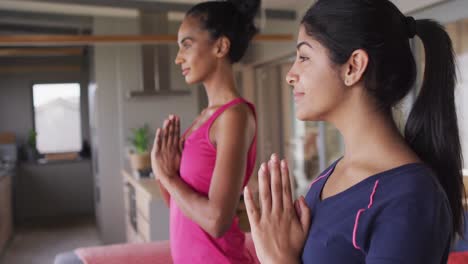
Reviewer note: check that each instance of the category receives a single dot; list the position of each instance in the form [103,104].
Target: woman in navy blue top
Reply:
[400,215]
[393,197]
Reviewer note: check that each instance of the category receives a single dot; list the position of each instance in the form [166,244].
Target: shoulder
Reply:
[414,181]
[408,205]
[412,195]
[237,117]
[241,111]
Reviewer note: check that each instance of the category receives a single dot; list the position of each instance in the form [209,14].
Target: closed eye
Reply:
[302,58]
[186,42]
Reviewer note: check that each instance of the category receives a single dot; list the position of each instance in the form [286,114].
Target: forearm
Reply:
[164,193]
[195,206]
[280,258]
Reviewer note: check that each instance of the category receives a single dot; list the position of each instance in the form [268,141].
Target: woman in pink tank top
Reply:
[202,181]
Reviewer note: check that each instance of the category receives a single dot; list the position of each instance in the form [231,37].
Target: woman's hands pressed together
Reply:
[279,227]
[166,152]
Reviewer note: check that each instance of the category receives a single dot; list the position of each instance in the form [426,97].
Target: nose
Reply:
[291,78]
[178,59]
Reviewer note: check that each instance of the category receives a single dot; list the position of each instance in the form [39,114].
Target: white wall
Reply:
[450,11]
[461,96]
[110,207]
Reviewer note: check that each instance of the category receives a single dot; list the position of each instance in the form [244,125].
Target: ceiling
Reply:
[276,4]
[404,5]
[75,16]
[129,7]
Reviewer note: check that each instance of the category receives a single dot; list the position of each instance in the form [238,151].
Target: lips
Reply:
[298,95]
[185,71]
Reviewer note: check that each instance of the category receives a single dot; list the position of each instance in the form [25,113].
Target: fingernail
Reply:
[283,164]
[275,160]
[262,167]
[275,157]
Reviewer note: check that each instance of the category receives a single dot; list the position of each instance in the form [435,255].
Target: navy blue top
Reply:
[397,216]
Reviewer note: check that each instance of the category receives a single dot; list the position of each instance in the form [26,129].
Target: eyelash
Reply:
[302,58]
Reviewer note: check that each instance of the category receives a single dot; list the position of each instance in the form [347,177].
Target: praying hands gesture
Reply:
[166,152]
[279,227]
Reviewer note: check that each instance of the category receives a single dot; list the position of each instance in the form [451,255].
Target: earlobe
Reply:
[222,47]
[356,67]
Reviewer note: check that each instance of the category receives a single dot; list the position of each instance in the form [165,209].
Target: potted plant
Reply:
[32,145]
[139,155]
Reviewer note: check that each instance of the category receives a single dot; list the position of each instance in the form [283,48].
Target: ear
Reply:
[355,67]
[222,47]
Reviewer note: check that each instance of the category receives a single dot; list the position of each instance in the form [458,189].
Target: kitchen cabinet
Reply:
[146,214]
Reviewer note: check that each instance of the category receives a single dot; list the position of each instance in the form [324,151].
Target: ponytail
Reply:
[432,129]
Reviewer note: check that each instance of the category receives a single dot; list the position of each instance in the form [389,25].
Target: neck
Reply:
[220,85]
[368,133]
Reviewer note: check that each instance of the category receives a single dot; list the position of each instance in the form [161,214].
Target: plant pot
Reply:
[141,163]
[32,154]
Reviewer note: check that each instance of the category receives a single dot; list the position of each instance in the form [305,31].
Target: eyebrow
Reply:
[184,39]
[303,43]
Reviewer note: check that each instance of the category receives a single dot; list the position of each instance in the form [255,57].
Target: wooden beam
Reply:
[66,40]
[32,52]
[7,138]
[273,38]
[38,68]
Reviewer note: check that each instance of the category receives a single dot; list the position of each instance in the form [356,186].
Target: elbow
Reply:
[217,231]
[218,226]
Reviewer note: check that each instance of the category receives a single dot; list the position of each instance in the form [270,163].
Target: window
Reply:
[57,117]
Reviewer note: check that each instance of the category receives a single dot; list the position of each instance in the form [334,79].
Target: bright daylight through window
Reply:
[57,117]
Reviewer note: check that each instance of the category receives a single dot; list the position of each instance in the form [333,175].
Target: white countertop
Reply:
[148,185]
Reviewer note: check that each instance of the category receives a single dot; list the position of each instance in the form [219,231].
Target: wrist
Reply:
[170,180]
[287,259]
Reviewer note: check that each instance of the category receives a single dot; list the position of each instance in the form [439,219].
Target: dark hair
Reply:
[233,19]
[380,29]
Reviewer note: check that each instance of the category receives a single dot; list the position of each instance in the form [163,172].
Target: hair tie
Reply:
[411,26]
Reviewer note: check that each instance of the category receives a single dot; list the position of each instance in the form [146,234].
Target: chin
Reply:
[301,116]
[192,80]
[310,116]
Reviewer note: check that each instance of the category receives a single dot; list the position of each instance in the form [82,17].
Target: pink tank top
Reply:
[189,242]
